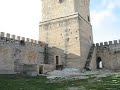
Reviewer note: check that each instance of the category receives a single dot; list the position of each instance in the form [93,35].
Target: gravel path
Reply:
[77,73]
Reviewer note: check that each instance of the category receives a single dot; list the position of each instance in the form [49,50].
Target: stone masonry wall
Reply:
[18,53]
[86,39]
[109,52]
[52,9]
[82,7]
[62,37]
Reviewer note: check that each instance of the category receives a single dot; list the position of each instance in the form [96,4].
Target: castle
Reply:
[65,41]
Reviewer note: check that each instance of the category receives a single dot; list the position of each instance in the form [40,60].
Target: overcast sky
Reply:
[22,17]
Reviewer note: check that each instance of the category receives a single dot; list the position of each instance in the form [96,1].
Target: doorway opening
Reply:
[41,69]
[57,60]
[99,63]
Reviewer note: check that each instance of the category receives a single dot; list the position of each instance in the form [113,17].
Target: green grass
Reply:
[19,82]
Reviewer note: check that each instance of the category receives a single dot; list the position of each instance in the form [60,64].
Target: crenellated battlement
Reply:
[115,42]
[6,38]
[20,54]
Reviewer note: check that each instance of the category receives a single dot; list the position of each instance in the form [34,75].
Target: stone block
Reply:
[101,44]
[13,36]
[23,38]
[105,43]
[28,40]
[32,40]
[18,37]
[110,43]
[97,44]
[35,41]
[8,35]
[2,34]
[119,41]
[115,42]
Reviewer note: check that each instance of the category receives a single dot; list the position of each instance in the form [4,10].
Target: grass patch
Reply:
[19,82]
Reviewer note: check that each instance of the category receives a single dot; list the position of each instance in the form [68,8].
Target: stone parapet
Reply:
[7,39]
[115,42]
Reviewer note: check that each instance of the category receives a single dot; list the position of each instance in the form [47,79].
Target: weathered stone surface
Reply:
[52,9]
[65,41]
[110,56]
[15,54]
[67,31]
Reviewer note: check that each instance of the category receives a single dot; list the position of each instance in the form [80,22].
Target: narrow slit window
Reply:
[57,60]
[88,18]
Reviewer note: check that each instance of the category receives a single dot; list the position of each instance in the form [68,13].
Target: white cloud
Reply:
[98,16]
[20,17]
[103,19]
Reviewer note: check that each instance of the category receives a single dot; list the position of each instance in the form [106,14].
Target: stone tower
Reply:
[67,30]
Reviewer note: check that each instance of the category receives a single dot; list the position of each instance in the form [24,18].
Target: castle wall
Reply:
[62,37]
[109,52]
[18,52]
[6,60]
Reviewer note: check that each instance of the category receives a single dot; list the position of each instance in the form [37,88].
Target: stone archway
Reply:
[99,63]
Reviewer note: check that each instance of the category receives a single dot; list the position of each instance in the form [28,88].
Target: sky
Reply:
[105,18]
[22,17]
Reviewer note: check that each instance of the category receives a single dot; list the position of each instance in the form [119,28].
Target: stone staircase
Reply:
[89,58]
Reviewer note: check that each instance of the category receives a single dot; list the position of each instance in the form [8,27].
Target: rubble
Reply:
[73,73]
